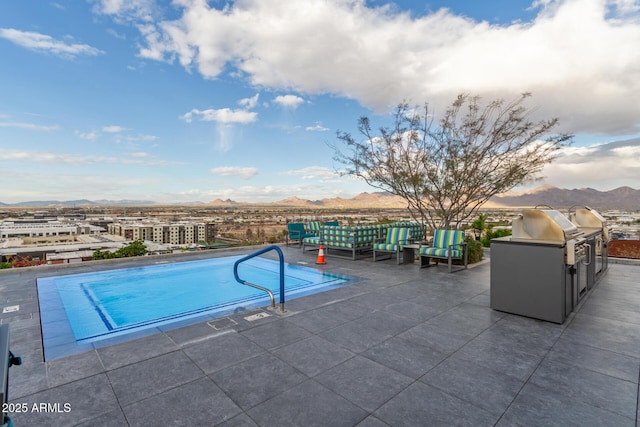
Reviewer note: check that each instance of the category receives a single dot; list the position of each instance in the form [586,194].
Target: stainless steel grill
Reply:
[596,231]
[540,270]
[543,225]
[587,219]
[550,226]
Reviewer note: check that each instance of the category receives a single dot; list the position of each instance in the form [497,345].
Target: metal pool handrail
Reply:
[244,282]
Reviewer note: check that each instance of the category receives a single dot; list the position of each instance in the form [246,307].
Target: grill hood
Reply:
[543,225]
[586,217]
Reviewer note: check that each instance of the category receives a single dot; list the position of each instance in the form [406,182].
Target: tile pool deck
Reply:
[406,346]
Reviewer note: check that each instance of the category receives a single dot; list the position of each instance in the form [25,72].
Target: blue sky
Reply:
[192,100]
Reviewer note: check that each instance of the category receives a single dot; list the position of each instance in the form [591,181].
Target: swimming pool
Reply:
[84,311]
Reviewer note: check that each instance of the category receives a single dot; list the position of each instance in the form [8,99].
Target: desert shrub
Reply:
[494,234]
[475,249]
[136,248]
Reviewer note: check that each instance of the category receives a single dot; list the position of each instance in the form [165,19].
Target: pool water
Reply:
[83,311]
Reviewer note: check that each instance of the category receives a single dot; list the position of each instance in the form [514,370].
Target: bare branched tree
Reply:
[446,172]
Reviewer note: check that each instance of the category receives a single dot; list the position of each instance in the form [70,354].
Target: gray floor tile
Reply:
[134,351]
[355,336]
[308,404]
[276,334]
[456,322]
[372,421]
[222,351]
[313,355]
[404,292]
[624,311]
[387,323]
[194,404]
[432,336]
[595,359]
[410,358]
[147,378]
[606,334]
[67,369]
[377,300]
[423,405]
[589,387]
[241,420]
[537,406]
[364,382]
[412,310]
[87,398]
[191,333]
[349,309]
[28,378]
[529,339]
[317,320]
[255,380]
[483,314]
[475,384]
[110,419]
[500,358]
[481,300]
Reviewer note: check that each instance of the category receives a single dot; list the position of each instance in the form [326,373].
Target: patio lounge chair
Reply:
[396,238]
[296,231]
[447,244]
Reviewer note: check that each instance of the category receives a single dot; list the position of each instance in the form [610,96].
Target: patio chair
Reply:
[296,231]
[447,244]
[392,244]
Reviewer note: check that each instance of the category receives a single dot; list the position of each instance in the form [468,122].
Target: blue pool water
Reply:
[84,311]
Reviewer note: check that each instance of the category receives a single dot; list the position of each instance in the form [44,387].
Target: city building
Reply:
[183,233]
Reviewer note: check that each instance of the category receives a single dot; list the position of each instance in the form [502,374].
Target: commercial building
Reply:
[174,234]
[44,231]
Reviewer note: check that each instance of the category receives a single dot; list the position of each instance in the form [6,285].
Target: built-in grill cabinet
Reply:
[596,232]
[540,270]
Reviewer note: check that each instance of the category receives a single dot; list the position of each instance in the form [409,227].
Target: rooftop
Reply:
[405,346]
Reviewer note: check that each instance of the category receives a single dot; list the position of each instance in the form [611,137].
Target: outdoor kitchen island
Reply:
[541,270]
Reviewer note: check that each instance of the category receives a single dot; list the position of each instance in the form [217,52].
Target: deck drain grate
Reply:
[11,309]
[256,316]
[223,323]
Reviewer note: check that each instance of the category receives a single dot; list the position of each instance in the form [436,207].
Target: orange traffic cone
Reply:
[320,256]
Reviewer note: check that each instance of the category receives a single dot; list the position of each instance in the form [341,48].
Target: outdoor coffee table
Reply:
[409,253]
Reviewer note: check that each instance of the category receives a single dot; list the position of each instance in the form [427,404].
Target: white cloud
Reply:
[116,34]
[313,172]
[76,159]
[47,44]
[53,158]
[288,101]
[89,136]
[269,193]
[379,56]
[113,129]
[249,103]
[127,10]
[139,154]
[242,172]
[140,137]
[27,126]
[317,128]
[615,163]
[223,115]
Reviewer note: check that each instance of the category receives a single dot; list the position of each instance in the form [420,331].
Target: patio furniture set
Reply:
[404,239]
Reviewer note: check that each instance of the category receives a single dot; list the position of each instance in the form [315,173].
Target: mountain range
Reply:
[624,198]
